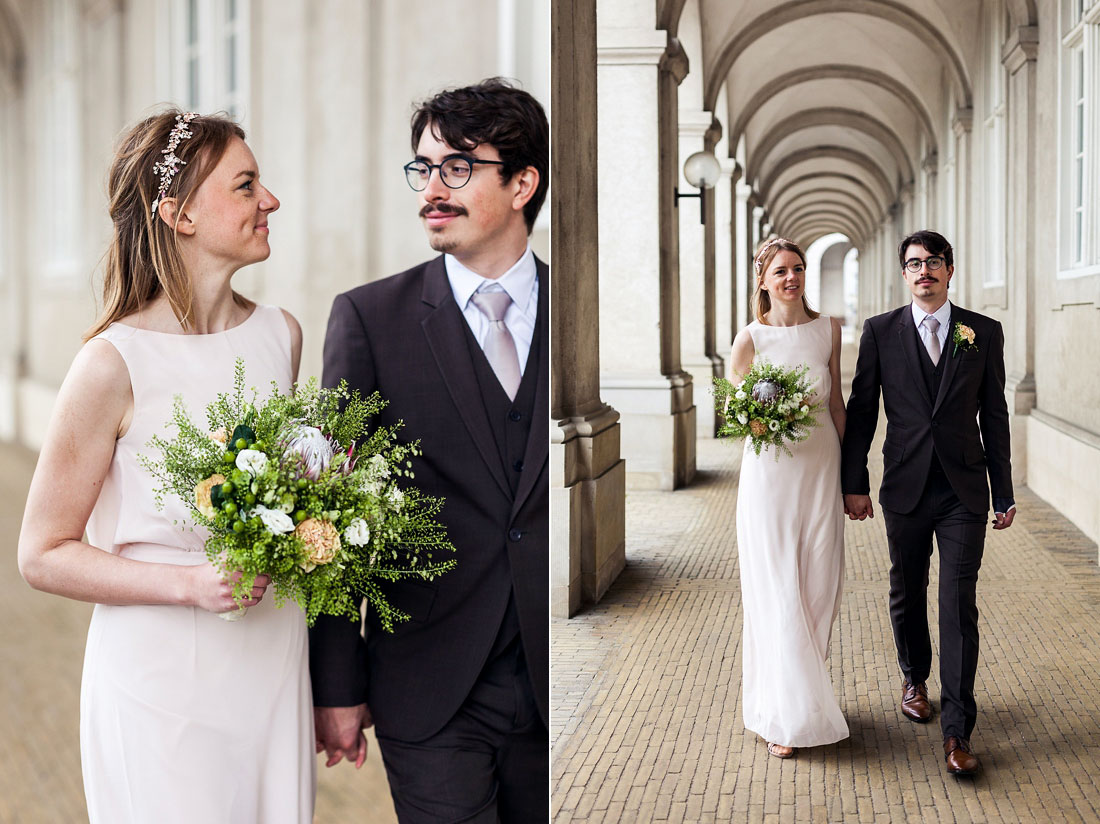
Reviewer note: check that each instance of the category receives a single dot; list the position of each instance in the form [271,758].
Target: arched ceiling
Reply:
[834,106]
[11,45]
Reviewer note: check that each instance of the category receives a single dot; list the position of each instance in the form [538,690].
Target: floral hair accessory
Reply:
[756,264]
[964,337]
[169,166]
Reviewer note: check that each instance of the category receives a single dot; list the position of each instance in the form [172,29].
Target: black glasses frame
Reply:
[927,263]
[418,165]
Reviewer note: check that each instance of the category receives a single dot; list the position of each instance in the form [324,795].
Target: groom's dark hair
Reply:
[934,242]
[497,114]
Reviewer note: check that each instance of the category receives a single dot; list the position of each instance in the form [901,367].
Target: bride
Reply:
[790,522]
[184,717]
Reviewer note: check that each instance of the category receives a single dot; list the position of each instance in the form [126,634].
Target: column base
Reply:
[659,430]
[588,505]
[1062,460]
[1020,396]
[703,369]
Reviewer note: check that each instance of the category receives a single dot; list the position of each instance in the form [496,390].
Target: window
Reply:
[1078,162]
[211,44]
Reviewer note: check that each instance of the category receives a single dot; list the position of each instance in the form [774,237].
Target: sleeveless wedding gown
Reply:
[186,717]
[790,539]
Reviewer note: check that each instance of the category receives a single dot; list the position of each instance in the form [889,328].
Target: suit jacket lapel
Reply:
[949,353]
[910,347]
[443,327]
[538,438]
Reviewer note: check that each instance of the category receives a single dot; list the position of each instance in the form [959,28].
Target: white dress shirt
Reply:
[943,315]
[521,282]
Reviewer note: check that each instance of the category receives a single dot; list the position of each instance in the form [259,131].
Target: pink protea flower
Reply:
[314,449]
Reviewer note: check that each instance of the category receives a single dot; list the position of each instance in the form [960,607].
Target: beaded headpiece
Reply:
[170,165]
[756,264]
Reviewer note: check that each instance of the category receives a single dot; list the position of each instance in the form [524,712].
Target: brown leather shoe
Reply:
[914,703]
[960,760]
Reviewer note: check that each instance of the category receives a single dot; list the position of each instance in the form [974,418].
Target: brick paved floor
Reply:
[647,721]
[41,655]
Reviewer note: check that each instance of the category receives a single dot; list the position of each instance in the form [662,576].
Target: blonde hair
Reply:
[765,253]
[144,258]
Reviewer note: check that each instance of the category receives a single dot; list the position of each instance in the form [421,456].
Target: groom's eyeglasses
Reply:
[455,172]
[913,264]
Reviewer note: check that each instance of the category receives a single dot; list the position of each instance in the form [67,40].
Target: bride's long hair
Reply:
[144,257]
[761,300]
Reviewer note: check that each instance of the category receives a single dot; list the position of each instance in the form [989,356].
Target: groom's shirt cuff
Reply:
[1002,506]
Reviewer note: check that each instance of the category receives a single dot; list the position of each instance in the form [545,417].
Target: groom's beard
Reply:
[436,238]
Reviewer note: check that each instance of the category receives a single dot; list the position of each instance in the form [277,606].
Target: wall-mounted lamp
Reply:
[701,170]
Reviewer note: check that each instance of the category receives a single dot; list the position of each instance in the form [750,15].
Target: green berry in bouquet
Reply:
[300,489]
[772,406]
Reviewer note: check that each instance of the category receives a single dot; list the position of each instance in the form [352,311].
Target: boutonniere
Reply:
[964,337]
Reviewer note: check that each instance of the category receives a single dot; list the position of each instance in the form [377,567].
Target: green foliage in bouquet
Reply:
[295,488]
[771,405]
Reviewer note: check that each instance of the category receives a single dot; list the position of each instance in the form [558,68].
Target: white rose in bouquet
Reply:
[357,533]
[276,522]
[251,461]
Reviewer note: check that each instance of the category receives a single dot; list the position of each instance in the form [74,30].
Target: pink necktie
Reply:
[499,346]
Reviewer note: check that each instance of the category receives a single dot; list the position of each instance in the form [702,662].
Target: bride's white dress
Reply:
[790,539]
[185,717]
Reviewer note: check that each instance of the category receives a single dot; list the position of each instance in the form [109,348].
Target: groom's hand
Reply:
[339,732]
[858,507]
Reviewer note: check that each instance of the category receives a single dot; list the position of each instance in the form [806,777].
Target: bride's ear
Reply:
[168,209]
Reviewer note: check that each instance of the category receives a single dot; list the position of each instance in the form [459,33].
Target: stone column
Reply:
[743,251]
[930,167]
[725,258]
[698,131]
[587,476]
[970,283]
[1019,326]
[638,71]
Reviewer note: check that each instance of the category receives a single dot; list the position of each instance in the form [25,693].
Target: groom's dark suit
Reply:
[480,632]
[947,428]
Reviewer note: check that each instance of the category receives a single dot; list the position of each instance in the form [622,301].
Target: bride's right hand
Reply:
[208,589]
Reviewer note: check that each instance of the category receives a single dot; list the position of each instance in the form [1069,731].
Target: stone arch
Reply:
[837,152]
[831,116]
[826,216]
[835,71]
[1023,12]
[889,10]
[808,233]
[875,199]
[833,206]
[785,210]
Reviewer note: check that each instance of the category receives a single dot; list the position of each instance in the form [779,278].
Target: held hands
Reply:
[858,507]
[209,590]
[339,732]
[1003,520]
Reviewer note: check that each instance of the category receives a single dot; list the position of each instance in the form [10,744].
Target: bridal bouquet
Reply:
[771,405]
[295,489]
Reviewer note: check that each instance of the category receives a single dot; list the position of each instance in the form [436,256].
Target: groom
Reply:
[940,369]
[459,347]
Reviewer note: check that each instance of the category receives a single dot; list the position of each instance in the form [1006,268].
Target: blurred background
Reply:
[324,90]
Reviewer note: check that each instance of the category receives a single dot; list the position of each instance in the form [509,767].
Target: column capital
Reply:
[630,47]
[931,162]
[730,169]
[675,61]
[1022,47]
[963,121]
[694,123]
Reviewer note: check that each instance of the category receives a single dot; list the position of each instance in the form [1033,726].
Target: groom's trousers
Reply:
[489,764]
[960,537]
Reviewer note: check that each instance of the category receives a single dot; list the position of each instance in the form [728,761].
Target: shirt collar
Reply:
[518,281]
[943,314]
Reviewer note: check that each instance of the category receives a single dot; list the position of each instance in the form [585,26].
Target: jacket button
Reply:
[515,416]
[514,534]
[518,466]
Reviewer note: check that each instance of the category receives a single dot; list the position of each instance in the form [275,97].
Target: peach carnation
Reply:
[758,427]
[321,540]
[202,494]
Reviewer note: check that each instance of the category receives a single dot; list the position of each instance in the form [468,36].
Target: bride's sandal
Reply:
[779,751]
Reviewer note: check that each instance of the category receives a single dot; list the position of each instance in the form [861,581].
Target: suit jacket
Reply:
[405,337]
[966,423]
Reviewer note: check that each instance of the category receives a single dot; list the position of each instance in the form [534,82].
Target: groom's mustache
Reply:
[442,208]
